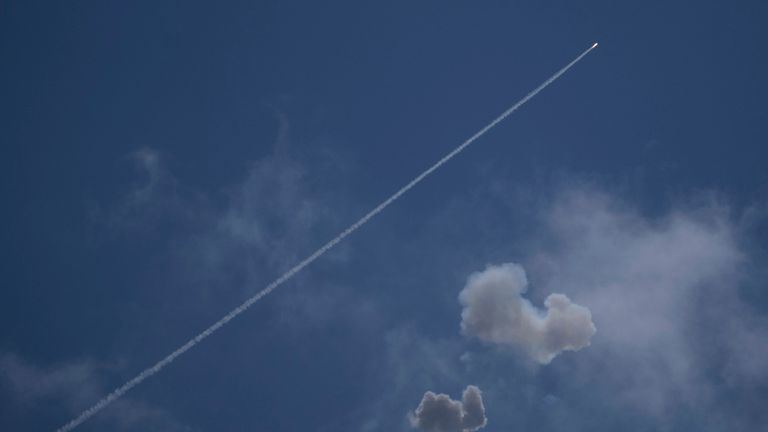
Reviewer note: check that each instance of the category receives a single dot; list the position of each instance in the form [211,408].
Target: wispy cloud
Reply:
[155,200]
[72,385]
[664,292]
[225,240]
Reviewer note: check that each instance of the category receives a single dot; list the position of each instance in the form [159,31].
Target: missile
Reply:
[594,46]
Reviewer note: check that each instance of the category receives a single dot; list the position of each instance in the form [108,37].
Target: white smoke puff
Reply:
[440,413]
[495,311]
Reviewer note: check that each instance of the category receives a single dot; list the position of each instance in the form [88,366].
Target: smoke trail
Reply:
[85,415]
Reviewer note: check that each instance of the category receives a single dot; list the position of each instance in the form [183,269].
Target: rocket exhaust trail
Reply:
[117,393]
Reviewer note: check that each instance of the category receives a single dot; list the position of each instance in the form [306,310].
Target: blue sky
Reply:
[162,161]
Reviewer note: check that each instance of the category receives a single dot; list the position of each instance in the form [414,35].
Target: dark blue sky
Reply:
[161,161]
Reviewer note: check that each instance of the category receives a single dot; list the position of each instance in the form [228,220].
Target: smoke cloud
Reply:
[440,413]
[666,292]
[496,312]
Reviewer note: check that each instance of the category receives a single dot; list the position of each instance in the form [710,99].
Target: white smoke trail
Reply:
[85,415]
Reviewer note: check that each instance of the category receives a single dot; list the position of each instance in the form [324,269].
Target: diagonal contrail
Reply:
[85,415]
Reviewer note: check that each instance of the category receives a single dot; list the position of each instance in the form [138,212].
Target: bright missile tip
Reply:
[595,45]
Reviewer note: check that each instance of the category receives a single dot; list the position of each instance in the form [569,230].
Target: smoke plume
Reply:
[440,413]
[496,312]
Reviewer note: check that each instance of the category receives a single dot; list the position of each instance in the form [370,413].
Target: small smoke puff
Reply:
[440,413]
[495,311]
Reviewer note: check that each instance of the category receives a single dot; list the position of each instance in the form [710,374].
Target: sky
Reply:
[595,262]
